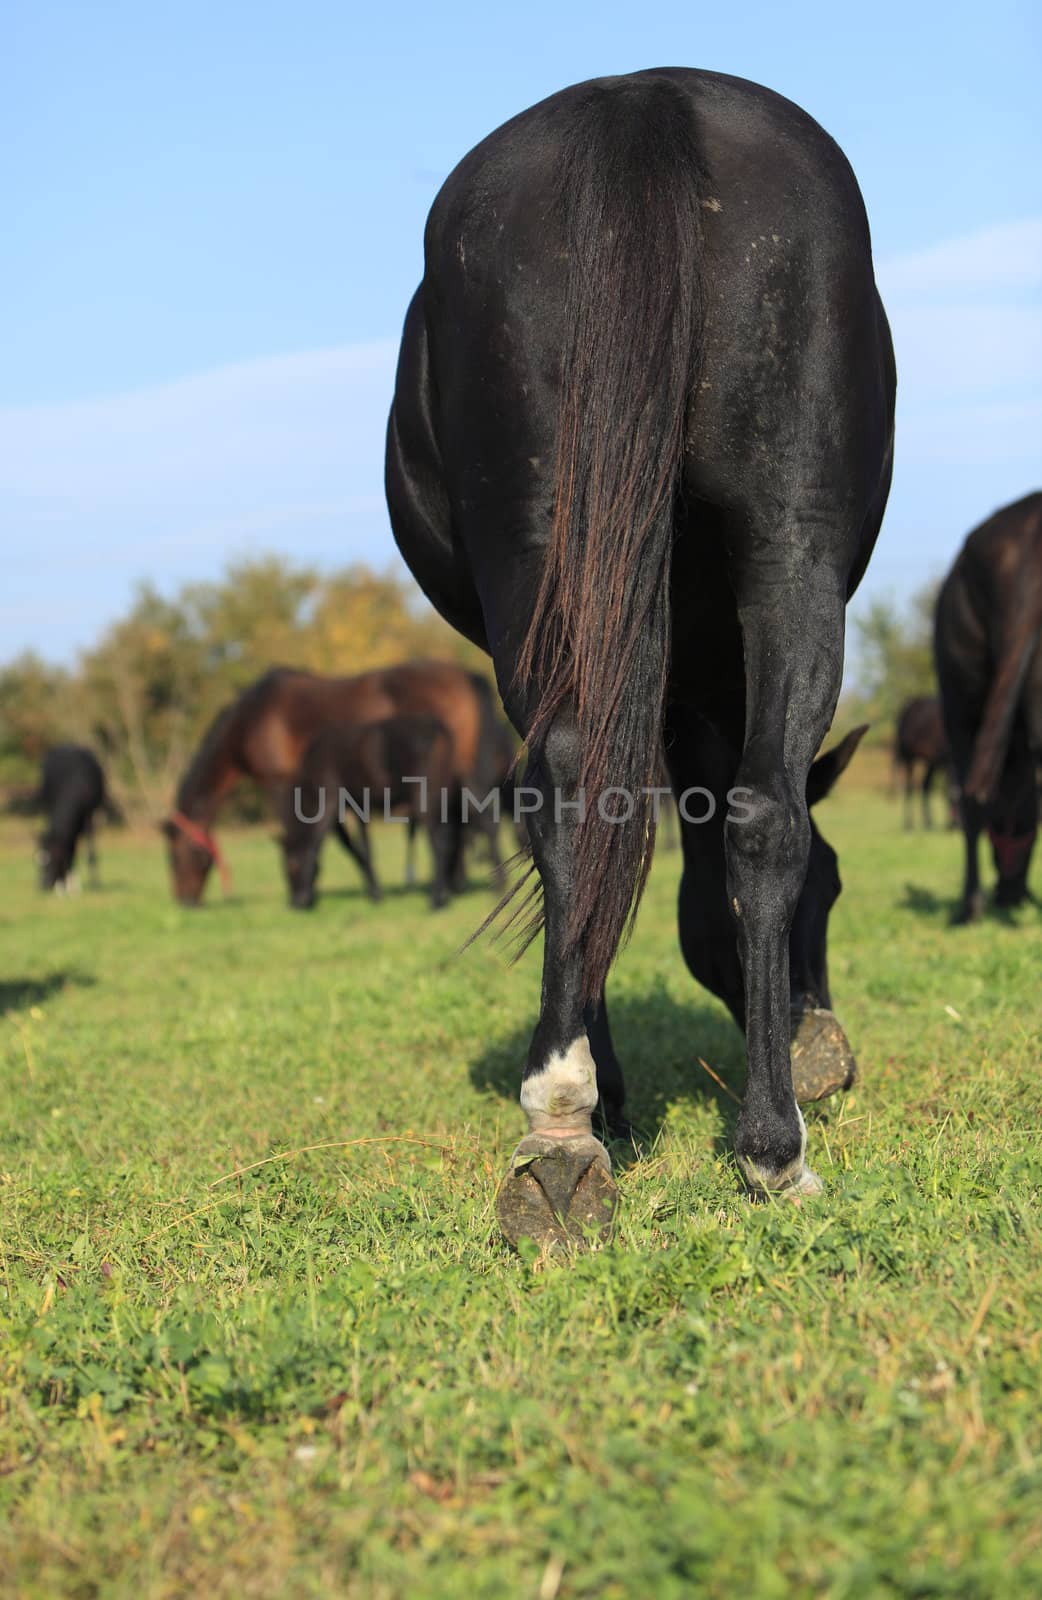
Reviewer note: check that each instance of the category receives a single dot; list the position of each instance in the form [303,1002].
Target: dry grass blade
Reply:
[331,1144]
[719,1081]
[290,1155]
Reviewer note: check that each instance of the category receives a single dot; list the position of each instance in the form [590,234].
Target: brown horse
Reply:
[404,763]
[921,737]
[264,733]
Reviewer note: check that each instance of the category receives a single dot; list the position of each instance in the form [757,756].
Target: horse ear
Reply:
[829,767]
[166,828]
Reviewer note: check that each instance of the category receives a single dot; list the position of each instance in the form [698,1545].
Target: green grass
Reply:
[325,1375]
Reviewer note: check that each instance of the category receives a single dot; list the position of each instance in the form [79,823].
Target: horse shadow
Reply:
[943,909]
[18,994]
[659,1043]
[421,890]
[925,903]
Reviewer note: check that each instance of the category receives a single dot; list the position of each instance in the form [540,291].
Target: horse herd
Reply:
[639,452]
[422,740]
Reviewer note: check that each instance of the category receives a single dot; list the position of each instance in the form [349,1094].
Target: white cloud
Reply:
[966,316]
[169,482]
[969,349]
[1006,256]
[231,433]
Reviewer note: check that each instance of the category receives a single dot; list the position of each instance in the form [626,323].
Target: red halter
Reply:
[205,840]
[1009,849]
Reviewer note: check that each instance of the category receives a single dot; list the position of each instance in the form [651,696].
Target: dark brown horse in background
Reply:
[920,737]
[400,767]
[264,733]
[988,648]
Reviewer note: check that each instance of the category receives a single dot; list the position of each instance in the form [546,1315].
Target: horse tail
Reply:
[1011,668]
[629,202]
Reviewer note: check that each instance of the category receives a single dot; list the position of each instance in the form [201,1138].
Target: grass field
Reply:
[234,1365]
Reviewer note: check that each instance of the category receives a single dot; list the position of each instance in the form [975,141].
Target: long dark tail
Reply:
[597,646]
[992,742]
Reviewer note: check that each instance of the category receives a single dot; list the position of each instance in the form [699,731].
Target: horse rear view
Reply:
[639,450]
[988,649]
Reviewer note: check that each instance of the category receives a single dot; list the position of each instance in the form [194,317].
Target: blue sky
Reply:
[213,221]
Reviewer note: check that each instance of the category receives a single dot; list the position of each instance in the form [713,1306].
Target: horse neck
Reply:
[205,787]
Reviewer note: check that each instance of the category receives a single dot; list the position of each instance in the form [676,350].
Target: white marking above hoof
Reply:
[559,1099]
[794,1179]
[807,1183]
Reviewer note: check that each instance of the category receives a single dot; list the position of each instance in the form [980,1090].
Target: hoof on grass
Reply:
[557,1192]
[822,1060]
[968,911]
[806,1185]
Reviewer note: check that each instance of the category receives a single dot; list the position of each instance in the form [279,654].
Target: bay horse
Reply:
[491,794]
[72,791]
[264,733]
[920,737]
[988,649]
[639,450]
[403,765]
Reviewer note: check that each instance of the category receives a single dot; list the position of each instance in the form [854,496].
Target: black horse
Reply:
[639,450]
[350,775]
[72,791]
[988,646]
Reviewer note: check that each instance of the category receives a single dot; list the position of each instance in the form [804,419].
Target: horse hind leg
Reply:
[909,802]
[609,1117]
[558,1189]
[792,683]
[410,854]
[92,856]
[440,835]
[361,853]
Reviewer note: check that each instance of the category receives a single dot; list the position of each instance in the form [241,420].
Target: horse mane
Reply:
[199,771]
[199,776]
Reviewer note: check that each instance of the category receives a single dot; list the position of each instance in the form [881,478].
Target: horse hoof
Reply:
[969,910]
[822,1060]
[807,1184]
[557,1192]
[804,1187]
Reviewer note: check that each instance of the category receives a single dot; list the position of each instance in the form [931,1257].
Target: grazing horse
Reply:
[403,765]
[264,733]
[920,737]
[988,648]
[490,790]
[72,791]
[639,450]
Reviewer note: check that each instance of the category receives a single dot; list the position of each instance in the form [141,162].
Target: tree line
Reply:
[893,660]
[143,695]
